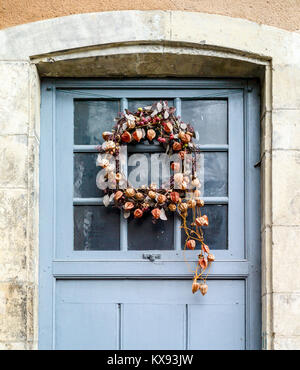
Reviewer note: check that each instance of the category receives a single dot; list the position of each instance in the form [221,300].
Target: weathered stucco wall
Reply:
[27,49]
[284,14]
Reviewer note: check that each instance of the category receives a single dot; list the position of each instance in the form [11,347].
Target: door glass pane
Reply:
[96,228]
[216,233]
[85,172]
[215,174]
[144,235]
[91,118]
[209,119]
[146,168]
[134,104]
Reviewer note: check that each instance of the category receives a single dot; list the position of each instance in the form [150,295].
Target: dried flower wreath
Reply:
[158,123]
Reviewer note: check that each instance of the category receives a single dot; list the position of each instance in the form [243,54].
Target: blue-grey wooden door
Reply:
[97,291]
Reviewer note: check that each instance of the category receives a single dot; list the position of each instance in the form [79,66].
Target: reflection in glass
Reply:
[91,118]
[216,234]
[144,235]
[96,228]
[134,104]
[85,172]
[215,174]
[148,168]
[209,119]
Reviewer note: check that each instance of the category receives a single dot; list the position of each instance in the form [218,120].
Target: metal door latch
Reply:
[151,257]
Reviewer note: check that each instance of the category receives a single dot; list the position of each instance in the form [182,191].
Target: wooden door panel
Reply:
[97,290]
[153,326]
[81,325]
[149,314]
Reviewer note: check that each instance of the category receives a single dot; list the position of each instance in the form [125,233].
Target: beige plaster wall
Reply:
[284,14]
[220,38]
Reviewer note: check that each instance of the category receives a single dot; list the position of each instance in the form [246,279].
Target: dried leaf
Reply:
[106,200]
[163,215]
[154,113]
[205,248]
[130,117]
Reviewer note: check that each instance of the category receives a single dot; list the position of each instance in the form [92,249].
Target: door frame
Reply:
[251,275]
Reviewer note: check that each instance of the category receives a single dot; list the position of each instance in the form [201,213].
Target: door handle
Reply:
[151,257]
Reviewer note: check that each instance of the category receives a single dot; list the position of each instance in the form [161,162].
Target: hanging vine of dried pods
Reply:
[159,123]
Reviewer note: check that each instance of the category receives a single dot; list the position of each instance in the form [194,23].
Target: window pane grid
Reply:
[150,148]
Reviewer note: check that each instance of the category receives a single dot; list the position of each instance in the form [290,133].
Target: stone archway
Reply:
[153,44]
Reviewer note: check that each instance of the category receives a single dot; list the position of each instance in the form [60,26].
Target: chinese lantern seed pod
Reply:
[131,124]
[118,176]
[106,135]
[203,288]
[130,192]
[183,207]
[210,257]
[197,193]
[195,286]
[172,207]
[191,244]
[139,196]
[137,135]
[156,213]
[191,203]
[126,137]
[118,195]
[138,213]
[174,197]
[128,206]
[152,194]
[151,134]
[178,178]
[203,262]
[161,198]
[200,202]
[205,248]
[177,146]
[202,221]
[196,183]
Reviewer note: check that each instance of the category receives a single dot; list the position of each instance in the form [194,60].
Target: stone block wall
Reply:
[19,143]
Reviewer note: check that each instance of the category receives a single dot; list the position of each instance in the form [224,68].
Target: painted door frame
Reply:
[249,263]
